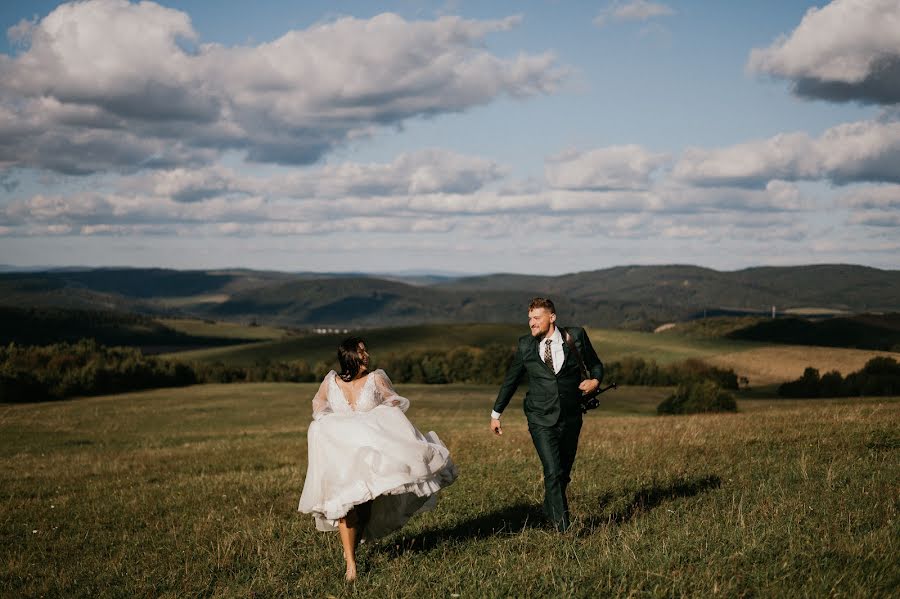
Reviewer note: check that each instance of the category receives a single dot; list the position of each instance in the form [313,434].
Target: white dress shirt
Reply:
[556,349]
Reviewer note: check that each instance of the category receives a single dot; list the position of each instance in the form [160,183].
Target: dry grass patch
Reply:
[780,363]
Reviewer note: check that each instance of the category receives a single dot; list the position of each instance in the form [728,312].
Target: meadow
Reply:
[761,363]
[315,347]
[612,344]
[193,492]
[223,329]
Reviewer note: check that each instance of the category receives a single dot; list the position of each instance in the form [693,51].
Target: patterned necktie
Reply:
[548,355]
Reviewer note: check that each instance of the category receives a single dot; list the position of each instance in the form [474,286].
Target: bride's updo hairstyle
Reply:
[348,357]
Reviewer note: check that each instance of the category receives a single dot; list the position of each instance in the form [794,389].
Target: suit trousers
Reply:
[556,446]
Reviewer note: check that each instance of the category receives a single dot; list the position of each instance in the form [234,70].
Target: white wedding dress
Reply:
[368,450]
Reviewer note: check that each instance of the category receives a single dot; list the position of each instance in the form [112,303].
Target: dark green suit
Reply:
[552,407]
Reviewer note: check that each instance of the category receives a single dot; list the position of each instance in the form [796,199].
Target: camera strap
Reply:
[570,341]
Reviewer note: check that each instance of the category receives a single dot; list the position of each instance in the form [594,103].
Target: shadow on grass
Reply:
[506,521]
[612,510]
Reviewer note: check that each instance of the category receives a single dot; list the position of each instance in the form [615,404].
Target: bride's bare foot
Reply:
[351,573]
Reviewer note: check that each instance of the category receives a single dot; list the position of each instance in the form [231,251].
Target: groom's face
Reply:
[539,321]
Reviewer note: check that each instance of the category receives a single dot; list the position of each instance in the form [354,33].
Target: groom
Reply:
[552,404]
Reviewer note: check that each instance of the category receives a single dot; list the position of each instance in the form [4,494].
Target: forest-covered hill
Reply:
[637,297]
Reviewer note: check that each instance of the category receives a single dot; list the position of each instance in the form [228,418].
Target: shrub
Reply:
[880,376]
[806,386]
[321,369]
[696,370]
[638,371]
[831,384]
[698,397]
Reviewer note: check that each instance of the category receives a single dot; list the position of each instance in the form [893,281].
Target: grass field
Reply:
[193,492]
[314,348]
[222,329]
[762,363]
[612,345]
[778,363]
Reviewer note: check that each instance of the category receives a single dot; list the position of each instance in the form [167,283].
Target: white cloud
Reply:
[57,209]
[20,34]
[156,204]
[876,218]
[111,85]
[632,10]
[872,197]
[873,206]
[614,167]
[189,185]
[847,50]
[414,173]
[92,208]
[778,196]
[850,152]
[429,171]
[352,224]
[849,245]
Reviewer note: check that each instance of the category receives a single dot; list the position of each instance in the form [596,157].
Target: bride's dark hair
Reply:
[348,357]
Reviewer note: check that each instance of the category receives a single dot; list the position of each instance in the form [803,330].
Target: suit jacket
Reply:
[550,396]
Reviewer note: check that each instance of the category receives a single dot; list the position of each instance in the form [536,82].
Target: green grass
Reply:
[222,329]
[313,348]
[610,344]
[762,364]
[193,492]
[613,345]
[713,327]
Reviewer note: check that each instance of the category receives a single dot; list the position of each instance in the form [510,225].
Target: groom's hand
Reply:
[589,386]
[495,427]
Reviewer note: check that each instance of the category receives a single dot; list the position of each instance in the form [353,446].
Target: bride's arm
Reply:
[320,405]
[386,391]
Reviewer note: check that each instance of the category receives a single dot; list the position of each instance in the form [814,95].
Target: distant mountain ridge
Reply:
[639,297]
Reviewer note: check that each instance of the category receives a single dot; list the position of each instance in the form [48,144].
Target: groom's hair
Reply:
[348,357]
[541,302]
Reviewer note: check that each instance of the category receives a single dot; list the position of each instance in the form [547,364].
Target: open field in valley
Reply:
[193,492]
[611,344]
[614,344]
[313,348]
[222,329]
[779,363]
[761,363]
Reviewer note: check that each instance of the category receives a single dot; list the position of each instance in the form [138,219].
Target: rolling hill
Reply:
[863,331]
[45,326]
[636,297]
[316,348]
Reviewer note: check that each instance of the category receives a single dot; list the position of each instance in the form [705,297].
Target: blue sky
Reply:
[535,137]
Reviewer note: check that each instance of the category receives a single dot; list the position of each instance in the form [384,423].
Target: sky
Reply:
[542,137]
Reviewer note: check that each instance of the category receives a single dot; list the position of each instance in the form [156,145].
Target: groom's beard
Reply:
[540,334]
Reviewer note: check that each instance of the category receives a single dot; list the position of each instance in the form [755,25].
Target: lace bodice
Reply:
[376,390]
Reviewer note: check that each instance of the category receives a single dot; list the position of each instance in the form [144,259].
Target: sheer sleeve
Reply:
[320,405]
[386,393]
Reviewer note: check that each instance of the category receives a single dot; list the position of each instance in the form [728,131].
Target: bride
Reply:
[369,468]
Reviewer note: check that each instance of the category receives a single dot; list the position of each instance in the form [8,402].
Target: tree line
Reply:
[85,368]
[879,377]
